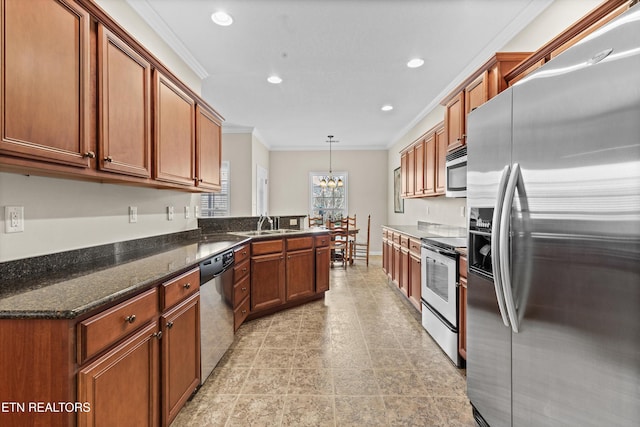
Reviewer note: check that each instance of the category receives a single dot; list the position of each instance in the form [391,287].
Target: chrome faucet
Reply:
[261,221]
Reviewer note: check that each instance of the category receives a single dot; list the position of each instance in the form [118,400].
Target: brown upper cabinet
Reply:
[478,88]
[106,109]
[45,83]
[174,139]
[209,149]
[124,87]
[422,165]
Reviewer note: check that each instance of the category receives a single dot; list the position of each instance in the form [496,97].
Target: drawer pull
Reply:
[169,325]
[157,334]
[244,289]
[244,311]
[244,252]
[90,155]
[108,159]
[187,285]
[244,269]
[130,319]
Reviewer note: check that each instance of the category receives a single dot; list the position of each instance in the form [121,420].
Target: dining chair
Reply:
[360,250]
[339,232]
[315,221]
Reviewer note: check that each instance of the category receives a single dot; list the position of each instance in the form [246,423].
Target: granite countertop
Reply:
[426,230]
[63,295]
[72,291]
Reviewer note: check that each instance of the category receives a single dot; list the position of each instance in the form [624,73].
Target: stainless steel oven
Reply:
[456,173]
[439,283]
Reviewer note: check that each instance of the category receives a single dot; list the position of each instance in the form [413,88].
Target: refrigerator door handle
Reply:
[496,247]
[505,229]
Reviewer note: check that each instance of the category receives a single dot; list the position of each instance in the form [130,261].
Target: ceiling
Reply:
[340,61]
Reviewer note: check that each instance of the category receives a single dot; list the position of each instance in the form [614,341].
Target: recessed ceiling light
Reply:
[274,79]
[222,18]
[415,63]
[387,107]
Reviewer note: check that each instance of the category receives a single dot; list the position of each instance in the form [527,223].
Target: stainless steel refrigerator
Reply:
[554,240]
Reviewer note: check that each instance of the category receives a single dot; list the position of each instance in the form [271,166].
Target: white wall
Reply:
[367,185]
[236,148]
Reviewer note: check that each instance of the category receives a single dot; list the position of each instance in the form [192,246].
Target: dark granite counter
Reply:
[74,289]
[426,230]
[67,285]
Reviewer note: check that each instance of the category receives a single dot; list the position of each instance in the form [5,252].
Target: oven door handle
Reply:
[505,228]
[444,252]
[496,248]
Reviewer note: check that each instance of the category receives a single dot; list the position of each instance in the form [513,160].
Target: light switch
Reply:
[14,219]
[133,214]
[187,212]
[170,213]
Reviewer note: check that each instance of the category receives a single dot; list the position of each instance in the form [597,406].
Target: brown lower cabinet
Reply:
[401,262]
[462,309]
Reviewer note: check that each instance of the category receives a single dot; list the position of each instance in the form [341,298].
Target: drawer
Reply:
[463,266]
[101,331]
[384,233]
[404,241]
[240,313]
[241,253]
[240,271]
[241,290]
[299,243]
[395,237]
[415,246]
[177,289]
[267,247]
[322,241]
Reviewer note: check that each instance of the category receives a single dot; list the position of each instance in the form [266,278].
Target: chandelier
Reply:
[330,181]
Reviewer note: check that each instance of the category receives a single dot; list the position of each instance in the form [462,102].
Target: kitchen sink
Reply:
[265,232]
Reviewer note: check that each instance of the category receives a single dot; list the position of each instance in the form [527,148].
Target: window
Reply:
[330,203]
[217,204]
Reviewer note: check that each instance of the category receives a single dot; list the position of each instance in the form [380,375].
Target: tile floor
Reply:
[357,358]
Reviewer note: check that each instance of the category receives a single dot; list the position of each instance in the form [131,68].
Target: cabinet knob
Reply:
[130,319]
[169,325]
[108,159]
[244,289]
[157,334]
[244,252]
[244,311]
[244,269]
[90,154]
[187,285]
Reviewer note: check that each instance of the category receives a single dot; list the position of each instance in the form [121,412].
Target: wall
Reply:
[65,214]
[259,156]
[236,148]
[367,185]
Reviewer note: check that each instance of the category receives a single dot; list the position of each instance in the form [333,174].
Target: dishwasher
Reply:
[216,310]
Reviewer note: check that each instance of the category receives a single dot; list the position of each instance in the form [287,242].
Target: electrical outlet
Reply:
[14,219]
[187,212]
[133,214]
[170,213]
[293,221]
[427,210]
[463,211]
[196,212]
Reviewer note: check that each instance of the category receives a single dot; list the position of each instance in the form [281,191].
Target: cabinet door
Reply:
[476,93]
[419,159]
[454,122]
[323,258]
[44,88]
[267,281]
[385,255]
[404,171]
[411,173]
[441,159]
[209,150]
[403,281]
[124,86]
[462,309]
[121,387]
[174,139]
[415,276]
[430,170]
[180,356]
[300,277]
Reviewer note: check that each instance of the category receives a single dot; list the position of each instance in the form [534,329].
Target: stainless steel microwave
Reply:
[456,166]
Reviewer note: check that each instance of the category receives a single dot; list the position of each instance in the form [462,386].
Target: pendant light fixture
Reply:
[330,181]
